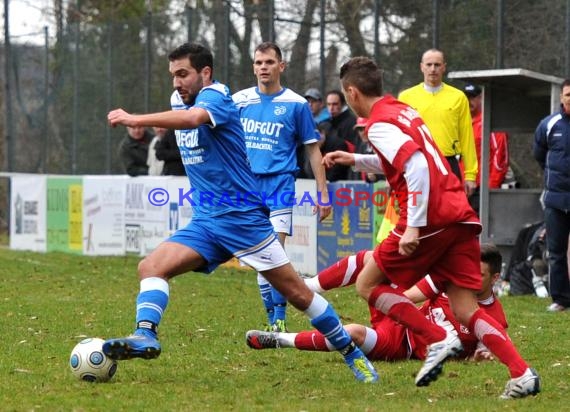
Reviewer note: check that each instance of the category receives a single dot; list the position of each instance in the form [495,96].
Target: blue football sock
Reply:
[325,320]
[266,297]
[279,305]
[151,303]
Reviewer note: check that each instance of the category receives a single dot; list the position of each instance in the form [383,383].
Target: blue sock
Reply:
[279,305]
[266,297]
[325,320]
[151,303]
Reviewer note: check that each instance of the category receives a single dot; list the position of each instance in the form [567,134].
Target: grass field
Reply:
[51,301]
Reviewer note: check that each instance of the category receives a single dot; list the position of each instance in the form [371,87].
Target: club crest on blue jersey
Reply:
[279,110]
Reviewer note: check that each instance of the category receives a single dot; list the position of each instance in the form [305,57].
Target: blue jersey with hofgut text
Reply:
[215,157]
[274,124]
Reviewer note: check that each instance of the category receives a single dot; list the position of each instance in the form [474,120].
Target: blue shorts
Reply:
[248,235]
[278,193]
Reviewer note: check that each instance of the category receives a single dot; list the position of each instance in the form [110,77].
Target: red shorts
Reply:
[391,343]
[450,256]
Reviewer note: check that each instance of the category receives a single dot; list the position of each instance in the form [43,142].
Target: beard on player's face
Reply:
[190,92]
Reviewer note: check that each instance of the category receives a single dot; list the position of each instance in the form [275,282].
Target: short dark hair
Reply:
[339,94]
[362,73]
[491,255]
[565,83]
[267,45]
[199,56]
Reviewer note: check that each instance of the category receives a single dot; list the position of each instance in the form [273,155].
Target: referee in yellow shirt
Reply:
[445,110]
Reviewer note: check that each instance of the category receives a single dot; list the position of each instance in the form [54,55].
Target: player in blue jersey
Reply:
[275,120]
[229,218]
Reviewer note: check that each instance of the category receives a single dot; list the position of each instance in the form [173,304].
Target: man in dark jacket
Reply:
[552,150]
[340,132]
[133,151]
[167,151]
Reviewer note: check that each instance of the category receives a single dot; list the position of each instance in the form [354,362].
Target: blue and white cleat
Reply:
[133,346]
[361,367]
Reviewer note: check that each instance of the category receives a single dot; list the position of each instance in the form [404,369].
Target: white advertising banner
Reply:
[103,215]
[146,213]
[301,247]
[28,213]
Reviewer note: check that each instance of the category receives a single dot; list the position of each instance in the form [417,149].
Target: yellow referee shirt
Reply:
[446,114]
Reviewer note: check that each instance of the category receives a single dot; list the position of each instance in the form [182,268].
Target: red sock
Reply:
[392,302]
[342,273]
[494,337]
[311,340]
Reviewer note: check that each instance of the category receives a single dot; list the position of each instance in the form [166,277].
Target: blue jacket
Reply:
[552,150]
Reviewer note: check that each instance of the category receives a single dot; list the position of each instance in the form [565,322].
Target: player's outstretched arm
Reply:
[338,157]
[172,119]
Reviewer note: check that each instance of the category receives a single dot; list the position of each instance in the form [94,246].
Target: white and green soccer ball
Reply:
[89,363]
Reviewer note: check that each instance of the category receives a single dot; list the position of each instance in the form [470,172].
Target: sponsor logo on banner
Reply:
[132,238]
[134,196]
[26,216]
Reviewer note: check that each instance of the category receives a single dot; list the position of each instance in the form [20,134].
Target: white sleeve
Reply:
[416,173]
[369,163]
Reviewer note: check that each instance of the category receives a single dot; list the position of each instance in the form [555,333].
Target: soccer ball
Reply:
[89,363]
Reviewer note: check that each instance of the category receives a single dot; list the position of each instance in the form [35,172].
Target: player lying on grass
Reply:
[385,339]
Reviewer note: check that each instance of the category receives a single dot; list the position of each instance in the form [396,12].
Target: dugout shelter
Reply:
[514,100]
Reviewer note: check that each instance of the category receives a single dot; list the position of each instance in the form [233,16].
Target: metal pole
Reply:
[567,72]
[148,61]
[377,5]
[189,22]
[484,171]
[271,22]
[9,131]
[322,67]
[109,94]
[226,67]
[500,33]
[435,25]
[43,155]
[75,113]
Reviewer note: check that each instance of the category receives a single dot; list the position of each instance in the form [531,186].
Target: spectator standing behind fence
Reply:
[339,128]
[133,150]
[342,119]
[167,151]
[552,151]
[155,166]
[445,111]
[498,146]
[318,109]
[328,143]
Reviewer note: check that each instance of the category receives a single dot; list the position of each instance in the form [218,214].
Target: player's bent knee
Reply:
[363,290]
[463,315]
[146,269]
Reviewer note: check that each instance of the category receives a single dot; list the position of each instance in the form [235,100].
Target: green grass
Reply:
[48,302]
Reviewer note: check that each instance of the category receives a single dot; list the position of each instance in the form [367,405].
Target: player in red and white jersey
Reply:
[436,234]
[399,137]
[386,339]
